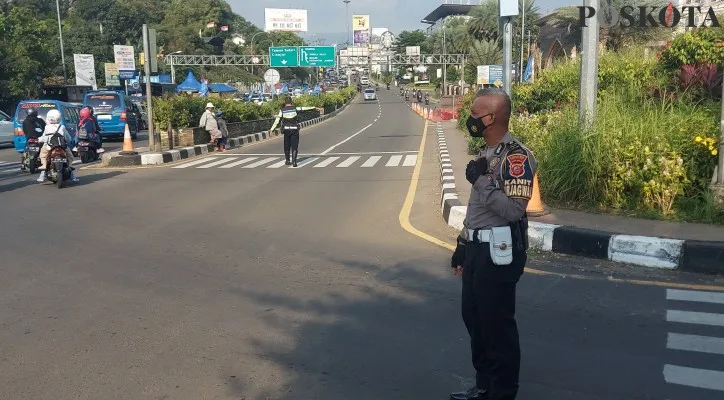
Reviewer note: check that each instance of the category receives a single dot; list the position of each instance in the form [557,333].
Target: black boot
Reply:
[294,158]
[286,156]
[471,394]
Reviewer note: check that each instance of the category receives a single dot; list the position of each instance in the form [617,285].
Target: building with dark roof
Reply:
[436,18]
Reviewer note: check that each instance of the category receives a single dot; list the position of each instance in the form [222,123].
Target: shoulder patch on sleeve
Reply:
[518,175]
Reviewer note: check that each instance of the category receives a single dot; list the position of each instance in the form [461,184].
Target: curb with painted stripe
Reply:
[646,251]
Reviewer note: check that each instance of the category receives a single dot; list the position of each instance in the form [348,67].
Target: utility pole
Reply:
[522,35]
[507,53]
[346,7]
[154,142]
[589,70]
[444,61]
[62,50]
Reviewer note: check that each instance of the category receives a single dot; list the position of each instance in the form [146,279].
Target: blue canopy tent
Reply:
[189,85]
[221,88]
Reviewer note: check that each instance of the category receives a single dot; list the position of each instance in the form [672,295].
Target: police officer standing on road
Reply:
[491,250]
[289,118]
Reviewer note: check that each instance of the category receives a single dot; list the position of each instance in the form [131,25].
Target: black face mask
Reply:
[475,126]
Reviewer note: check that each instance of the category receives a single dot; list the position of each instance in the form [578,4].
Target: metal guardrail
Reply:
[182,60]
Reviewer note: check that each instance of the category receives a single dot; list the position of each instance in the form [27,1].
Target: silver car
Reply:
[6,129]
[370,94]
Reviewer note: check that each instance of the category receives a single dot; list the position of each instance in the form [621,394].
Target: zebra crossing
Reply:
[272,161]
[688,312]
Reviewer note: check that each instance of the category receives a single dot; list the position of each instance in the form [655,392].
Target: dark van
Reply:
[113,110]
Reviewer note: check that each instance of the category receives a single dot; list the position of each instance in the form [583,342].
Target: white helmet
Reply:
[53,117]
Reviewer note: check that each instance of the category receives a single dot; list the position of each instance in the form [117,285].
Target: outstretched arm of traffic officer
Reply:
[511,200]
[276,122]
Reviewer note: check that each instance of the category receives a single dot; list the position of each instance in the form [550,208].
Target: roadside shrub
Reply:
[185,111]
[698,46]
[642,154]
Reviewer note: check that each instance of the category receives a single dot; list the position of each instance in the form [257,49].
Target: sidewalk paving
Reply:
[637,241]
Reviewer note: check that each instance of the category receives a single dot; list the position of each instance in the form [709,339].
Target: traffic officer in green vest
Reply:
[491,250]
[289,118]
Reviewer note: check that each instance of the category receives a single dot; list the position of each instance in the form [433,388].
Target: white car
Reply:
[6,129]
[370,94]
[364,81]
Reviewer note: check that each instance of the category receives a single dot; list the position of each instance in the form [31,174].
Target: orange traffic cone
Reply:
[535,205]
[128,142]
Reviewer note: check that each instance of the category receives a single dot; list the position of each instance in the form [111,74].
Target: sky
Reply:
[327,17]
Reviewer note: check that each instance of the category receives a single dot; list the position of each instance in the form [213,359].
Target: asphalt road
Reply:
[268,282]
[10,159]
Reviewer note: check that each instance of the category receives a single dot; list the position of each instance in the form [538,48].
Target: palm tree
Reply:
[613,37]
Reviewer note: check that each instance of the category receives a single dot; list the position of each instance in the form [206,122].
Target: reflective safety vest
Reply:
[290,118]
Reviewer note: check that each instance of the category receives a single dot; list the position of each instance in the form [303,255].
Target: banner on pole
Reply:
[85,72]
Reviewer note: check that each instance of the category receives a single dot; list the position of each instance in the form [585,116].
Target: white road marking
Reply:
[316,154]
[690,295]
[326,162]
[215,163]
[701,344]
[279,164]
[691,317]
[394,161]
[410,161]
[307,162]
[349,161]
[696,377]
[197,162]
[371,161]
[346,140]
[259,163]
[240,162]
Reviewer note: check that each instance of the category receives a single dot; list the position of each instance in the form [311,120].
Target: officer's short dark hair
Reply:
[506,106]
[288,100]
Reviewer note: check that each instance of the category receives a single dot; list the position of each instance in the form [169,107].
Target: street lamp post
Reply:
[60,34]
[346,6]
[173,67]
[522,34]
[252,48]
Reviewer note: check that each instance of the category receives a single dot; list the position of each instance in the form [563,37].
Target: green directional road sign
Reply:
[316,56]
[284,56]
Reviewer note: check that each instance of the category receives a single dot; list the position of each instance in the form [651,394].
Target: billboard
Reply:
[290,20]
[361,29]
[85,70]
[490,74]
[125,58]
[112,75]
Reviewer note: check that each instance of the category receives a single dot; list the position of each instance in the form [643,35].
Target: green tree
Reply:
[411,38]
[25,44]
[616,37]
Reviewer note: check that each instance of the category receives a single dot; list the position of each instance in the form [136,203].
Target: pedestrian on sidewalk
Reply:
[289,118]
[491,248]
[208,122]
[221,122]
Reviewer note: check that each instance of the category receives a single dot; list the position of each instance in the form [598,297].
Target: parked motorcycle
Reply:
[58,169]
[31,161]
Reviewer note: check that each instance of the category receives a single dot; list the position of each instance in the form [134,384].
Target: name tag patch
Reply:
[519,188]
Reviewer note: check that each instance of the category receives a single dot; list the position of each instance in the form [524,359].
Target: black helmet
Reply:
[219,113]
[32,112]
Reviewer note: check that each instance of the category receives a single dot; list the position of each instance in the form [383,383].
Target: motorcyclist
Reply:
[54,127]
[33,127]
[427,98]
[90,125]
